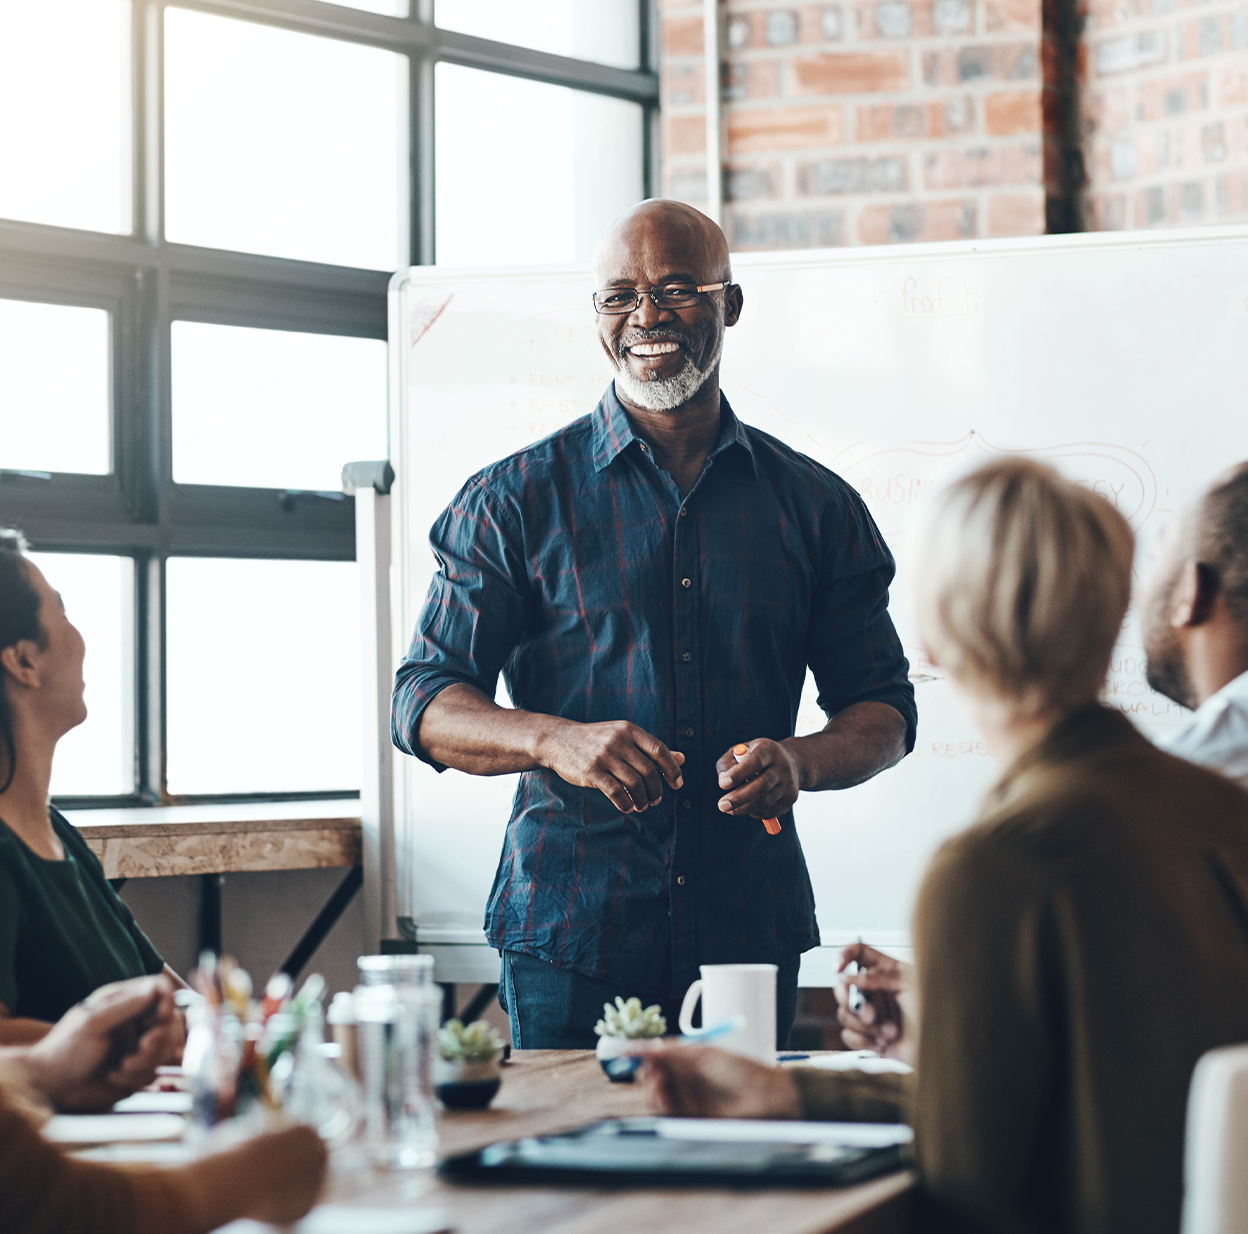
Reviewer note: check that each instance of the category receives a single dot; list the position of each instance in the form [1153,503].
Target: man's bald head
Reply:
[666,358]
[678,229]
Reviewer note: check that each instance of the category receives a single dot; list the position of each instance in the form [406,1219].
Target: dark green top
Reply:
[63,930]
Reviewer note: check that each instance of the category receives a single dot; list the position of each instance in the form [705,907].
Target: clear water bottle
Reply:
[397,1010]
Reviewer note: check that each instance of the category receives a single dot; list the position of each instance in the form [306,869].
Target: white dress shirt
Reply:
[1217,734]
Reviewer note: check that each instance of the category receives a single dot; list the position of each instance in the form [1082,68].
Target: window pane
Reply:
[590,168]
[391,8]
[65,112]
[54,388]
[97,757]
[603,30]
[273,408]
[263,676]
[280,143]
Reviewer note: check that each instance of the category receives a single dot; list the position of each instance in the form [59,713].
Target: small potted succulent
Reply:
[466,1071]
[620,1028]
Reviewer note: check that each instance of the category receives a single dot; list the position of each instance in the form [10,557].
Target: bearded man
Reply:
[653,582]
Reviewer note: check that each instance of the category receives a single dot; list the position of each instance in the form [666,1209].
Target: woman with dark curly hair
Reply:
[63,930]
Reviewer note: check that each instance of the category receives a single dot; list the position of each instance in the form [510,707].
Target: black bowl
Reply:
[475,1095]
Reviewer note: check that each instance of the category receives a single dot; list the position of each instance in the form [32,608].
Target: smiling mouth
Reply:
[654,349]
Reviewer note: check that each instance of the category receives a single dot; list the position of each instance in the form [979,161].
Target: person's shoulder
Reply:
[71,838]
[799,472]
[568,446]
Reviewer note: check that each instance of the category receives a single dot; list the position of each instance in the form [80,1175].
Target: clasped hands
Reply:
[628,766]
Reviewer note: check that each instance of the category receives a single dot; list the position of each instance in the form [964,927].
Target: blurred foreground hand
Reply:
[885,1019]
[106,1047]
[703,1082]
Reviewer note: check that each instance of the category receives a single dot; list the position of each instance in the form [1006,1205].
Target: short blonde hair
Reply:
[1022,585]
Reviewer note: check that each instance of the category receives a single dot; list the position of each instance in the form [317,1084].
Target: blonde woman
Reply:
[1052,1072]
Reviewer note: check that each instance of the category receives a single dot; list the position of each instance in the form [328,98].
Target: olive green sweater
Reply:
[1077,949]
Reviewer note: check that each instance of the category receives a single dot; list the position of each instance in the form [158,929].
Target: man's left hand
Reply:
[764,783]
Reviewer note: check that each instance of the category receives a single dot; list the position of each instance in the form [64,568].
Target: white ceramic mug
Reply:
[728,990]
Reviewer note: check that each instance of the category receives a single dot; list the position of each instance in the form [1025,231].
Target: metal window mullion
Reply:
[423,193]
[149,684]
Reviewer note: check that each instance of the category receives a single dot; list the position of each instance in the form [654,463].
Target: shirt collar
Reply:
[1234,691]
[613,434]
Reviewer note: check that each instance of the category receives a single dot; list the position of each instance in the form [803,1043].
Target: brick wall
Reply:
[1164,110]
[864,121]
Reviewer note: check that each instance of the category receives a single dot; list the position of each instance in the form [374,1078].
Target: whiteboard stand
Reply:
[370,483]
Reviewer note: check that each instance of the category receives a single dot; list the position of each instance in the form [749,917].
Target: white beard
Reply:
[671,392]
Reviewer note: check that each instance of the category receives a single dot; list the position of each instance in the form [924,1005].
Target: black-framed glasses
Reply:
[616,301]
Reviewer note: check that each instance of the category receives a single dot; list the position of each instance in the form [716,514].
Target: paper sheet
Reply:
[783,1131]
[356,1219]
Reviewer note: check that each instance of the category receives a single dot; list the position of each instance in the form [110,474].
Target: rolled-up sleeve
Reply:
[852,645]
[472,618]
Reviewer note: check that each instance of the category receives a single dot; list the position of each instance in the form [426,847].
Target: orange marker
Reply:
[771,824]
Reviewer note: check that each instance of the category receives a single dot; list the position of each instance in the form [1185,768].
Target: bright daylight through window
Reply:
[201,207]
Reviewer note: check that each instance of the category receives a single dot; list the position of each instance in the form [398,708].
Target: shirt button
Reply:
[687,804]
[683,511]
[645,449]
[688,732]
[680,880]
[686,582]
[686,656]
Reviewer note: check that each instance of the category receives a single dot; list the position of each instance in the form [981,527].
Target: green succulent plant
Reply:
[476,1043]
[631,1020]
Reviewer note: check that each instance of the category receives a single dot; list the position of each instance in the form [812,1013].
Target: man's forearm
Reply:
[854,745]
[465,730]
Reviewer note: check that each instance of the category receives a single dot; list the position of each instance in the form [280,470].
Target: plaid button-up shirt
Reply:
[578,570]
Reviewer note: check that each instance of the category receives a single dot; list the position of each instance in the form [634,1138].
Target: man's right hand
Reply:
[619,759]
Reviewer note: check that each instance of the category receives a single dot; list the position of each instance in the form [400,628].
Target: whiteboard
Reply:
[1122,359]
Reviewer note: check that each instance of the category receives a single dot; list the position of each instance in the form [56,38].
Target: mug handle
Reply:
[692,994]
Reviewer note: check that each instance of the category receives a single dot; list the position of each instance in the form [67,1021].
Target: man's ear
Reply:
[19,661]
[1208,586]
[1195,592]
[733,300]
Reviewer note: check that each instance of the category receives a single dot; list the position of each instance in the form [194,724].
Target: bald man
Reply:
[653,582]
[1195,615]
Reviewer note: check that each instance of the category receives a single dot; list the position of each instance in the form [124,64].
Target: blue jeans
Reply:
[551,1008]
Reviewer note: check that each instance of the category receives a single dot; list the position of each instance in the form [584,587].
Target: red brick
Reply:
[982,166]
[1231,193]
[929,220]
[1232,89]
[685,135]
[1172,96]
[682,85]
[1007,16]
[915,121]
[1108,212]
[1016,214]
[682,36]
[763,129]
[852,72]
[1015,113]
[752,79]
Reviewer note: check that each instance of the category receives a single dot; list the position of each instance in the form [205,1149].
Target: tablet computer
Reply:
[704,1151]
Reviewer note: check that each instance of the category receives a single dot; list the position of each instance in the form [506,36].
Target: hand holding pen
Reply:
[763,780]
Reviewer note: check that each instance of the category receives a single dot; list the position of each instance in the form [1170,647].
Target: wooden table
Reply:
[551,1090]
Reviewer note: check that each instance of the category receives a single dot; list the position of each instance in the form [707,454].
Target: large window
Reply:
[201,204]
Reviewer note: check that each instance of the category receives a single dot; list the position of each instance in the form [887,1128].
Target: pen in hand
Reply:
[771,824]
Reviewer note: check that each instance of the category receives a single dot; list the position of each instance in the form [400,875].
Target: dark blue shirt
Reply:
[576,569]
